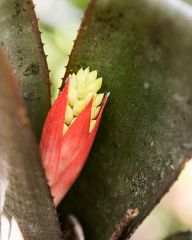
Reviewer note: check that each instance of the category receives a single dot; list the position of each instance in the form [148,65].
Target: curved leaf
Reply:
[26,206]
[143,51]
[20,38]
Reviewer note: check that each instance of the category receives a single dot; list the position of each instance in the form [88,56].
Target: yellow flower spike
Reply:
[73,81]
[98,99]
[82,90]
[95,85]
[72,98]
[94,112]
[92,76]
[65,128]
[80,73]
[80,78]
[88,98]
[82,87]
[73,120]
[82,84]
[86,73]
[78,107]
[68,115]
[92,125]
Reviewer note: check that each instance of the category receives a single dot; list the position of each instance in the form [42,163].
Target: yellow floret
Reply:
[82,87]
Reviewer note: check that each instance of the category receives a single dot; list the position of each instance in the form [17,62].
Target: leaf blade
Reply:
[145,134]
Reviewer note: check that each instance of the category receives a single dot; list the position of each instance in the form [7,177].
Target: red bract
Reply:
[64,155]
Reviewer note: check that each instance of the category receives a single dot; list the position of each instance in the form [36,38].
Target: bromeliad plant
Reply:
[70,130]
[147,69]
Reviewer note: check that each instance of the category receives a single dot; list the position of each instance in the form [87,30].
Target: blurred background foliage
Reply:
[188,1]
[59,23]
[80,3]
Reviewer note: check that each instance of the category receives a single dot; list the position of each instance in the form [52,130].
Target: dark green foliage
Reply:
[188,1]
[143,51]
[25,195]
[20,38]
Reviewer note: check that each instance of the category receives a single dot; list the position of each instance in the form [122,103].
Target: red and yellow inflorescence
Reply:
[70,130]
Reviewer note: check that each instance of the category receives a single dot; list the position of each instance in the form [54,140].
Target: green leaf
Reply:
[143,51]
[188,1]
[20,38]
[25,196]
